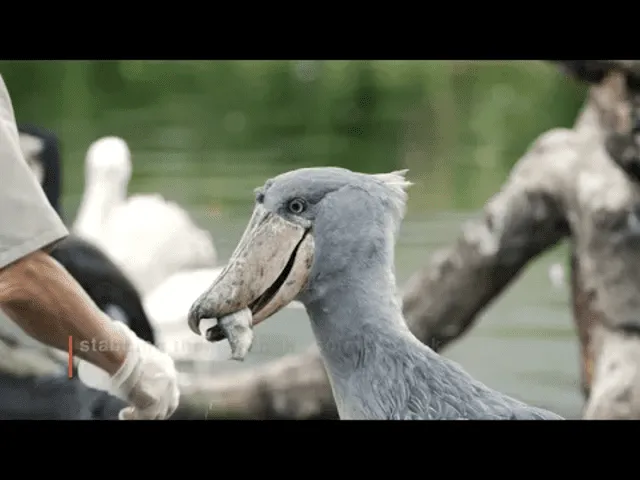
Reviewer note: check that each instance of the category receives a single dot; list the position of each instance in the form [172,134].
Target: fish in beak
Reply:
[267,270]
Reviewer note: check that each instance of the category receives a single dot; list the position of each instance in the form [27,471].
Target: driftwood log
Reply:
[294,387]
[578,184]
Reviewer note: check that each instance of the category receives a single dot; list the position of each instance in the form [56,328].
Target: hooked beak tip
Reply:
[194,317]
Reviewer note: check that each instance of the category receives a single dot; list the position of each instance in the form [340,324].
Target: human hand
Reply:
[147,379]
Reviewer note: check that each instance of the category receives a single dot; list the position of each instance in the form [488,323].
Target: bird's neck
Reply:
[99,198]
[357,322]
[354,303]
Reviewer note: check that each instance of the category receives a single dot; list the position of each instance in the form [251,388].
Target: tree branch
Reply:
[594,71]
[293,387]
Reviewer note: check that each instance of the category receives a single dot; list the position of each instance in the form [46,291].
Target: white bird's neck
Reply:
[100,197]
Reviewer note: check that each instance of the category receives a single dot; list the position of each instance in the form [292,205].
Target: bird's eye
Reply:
[297,206]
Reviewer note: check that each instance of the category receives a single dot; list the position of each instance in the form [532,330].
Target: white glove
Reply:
[148,379]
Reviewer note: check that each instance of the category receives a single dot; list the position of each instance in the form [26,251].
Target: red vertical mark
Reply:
[70,360]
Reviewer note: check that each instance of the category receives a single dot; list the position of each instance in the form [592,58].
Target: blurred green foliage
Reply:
[459,125]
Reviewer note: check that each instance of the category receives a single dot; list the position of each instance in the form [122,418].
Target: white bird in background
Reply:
[149,237]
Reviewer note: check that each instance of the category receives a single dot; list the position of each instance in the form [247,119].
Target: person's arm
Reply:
[525,218]
[39,295]
[47,302]
[35,291]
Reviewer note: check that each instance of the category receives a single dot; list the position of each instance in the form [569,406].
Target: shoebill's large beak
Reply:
[267,270]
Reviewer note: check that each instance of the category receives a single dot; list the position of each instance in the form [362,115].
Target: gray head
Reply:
[308,226]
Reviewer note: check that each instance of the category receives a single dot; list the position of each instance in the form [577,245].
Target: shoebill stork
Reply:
[326,237]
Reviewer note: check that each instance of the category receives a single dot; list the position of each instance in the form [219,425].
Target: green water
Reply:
[206,133]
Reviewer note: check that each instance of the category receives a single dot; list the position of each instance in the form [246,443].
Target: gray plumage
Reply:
[378,369]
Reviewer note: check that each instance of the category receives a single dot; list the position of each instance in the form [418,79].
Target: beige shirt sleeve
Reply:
[28,222]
